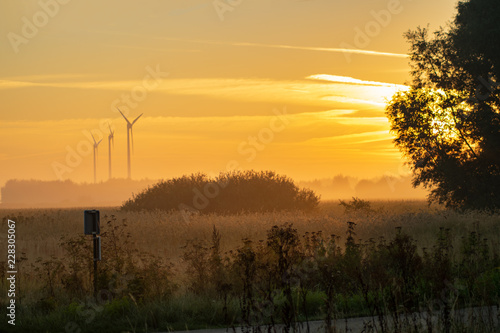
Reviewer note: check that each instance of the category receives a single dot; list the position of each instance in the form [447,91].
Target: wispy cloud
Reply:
[41,80]
[335,93]
[302,127]
[276,46]
[348,100]
[353,139]
[154,49]
[326,49]
[294,47]
[351,80]
[12,84]
[8,157]
[52,83]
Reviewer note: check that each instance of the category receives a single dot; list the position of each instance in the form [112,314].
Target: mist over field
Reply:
[54,194]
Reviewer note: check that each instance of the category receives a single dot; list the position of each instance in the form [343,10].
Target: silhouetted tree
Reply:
[448,122]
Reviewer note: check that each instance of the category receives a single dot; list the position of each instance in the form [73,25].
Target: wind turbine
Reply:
[111,138]
[130,135]
[96,144]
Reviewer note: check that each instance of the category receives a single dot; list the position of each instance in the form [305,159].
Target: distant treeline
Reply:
[41,194]
[384,188]
[38,193]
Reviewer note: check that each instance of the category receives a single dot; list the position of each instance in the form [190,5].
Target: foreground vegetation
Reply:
[407,265]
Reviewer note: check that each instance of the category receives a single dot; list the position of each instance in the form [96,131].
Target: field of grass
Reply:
[165,271]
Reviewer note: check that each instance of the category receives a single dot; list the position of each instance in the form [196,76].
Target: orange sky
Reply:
[210,78]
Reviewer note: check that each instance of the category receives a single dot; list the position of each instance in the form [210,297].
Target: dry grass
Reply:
[39,231]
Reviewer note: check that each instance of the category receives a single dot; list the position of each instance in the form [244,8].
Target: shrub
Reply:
[356,205]
[229,193]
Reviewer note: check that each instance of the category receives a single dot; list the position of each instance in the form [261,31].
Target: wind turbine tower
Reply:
[111,139]
[96,145]
[130,137]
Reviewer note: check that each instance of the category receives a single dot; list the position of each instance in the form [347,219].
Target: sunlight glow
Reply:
[220,84]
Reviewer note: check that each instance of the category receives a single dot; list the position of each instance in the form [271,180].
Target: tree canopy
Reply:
[448,123]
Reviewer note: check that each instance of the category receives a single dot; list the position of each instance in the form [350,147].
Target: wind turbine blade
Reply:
[128,122]
[93,137]
[137,118]
[99,142]
[110,131]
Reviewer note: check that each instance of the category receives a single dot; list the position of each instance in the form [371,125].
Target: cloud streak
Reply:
[293,47]
[354,139]
[277,46]
[326,49]
[320,90]
[351,80]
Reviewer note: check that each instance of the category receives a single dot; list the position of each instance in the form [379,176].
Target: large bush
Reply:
[229,193]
